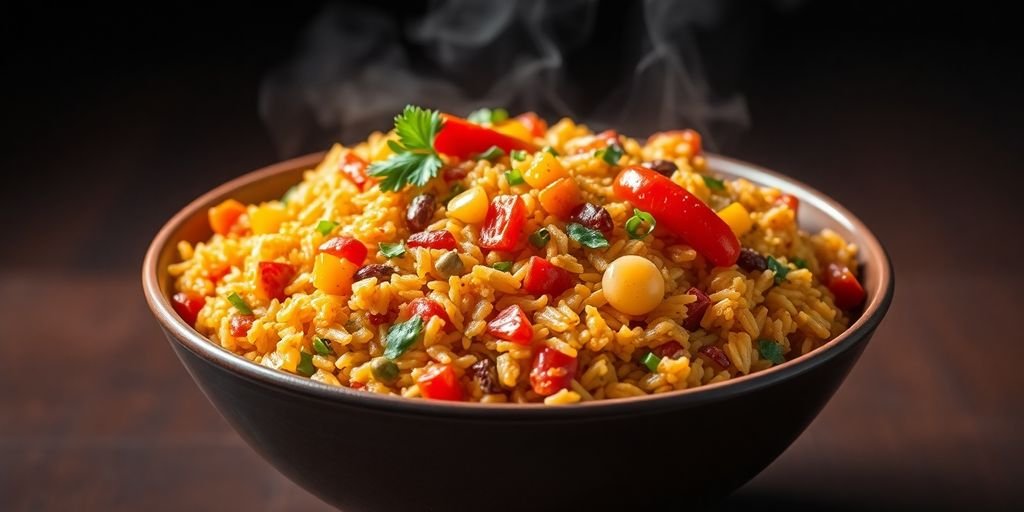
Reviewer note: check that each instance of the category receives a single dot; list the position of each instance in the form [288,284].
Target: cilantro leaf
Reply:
[587,237]
[415,162]
[326,226]
[392,250]
[778,268]
[800,262]
[771,351]
[610,154]
[504,266]
[713,183]
[401,336]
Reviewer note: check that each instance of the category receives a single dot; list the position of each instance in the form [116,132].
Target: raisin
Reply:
[593,217]
[485,375]
[381,272]
[420,212]
[750,260]
[663,167]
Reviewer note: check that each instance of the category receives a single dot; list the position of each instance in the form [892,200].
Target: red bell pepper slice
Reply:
[187,306]
[511,325]
[345,247]
[440,239]
[552,371]
[503,225]
[544,277]
[461,138]
[845,286]
[681,212]
[272,278]
[440,383]
[240,325]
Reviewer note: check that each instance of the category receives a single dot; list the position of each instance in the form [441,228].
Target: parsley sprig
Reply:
[415,161]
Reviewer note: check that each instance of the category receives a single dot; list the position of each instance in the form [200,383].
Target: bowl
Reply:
[360,451]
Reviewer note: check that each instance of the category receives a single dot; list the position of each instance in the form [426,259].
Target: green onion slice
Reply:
[305,366]
[540,238]
[325,227]
[239,303]
[514,177]
[322,346]
[633,224]
[651,361]
[504,266]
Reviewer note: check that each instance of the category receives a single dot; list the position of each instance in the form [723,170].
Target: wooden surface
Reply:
[97,414]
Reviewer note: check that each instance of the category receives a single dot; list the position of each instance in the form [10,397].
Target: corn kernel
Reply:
[333,275]
[470,206]
[267,218]
[544,170]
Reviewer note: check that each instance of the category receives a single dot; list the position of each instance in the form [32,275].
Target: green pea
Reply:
[384,370]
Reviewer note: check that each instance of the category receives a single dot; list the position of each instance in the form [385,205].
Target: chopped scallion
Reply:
[778,268]
[239,303]
[651,361]
[325,227]
[518,154]
[493,153]
[322,346]
[305,366]
[799,262]
[610,154]
[504,266]
[488,116]
[771,351]
[713,183]
[514,177]
[540,238]
[551,150]
[634,223]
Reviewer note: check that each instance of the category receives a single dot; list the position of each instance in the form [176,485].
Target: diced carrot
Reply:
[225,215]
[561,197]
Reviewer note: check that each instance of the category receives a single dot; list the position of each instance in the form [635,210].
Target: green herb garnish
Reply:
[326,226]
[771,351]
[392,250]
[322,346]
[540,238]
[488,116]
[493,153]
[610,154]
[401,336]
[551,150]
[587,237]
[514,177]
[504,266]
[518,154]
[415,161]
[639,218]
[778,268]
[799,262]
[651,361]
[713,183]
[305,366]
[239,303]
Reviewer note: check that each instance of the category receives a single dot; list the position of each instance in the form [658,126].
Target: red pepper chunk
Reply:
[345,247]
[272,278]
[533,123]
[715,355]
[440,239]
[670,350]
[552,371]
[681,212]
[426,308]
[695,310]
[790,201]
[439,382]
[240,325]
[503,225]
[461,138]
[545,278]
[845,286]
[187,306]
[511,325]
[354,168]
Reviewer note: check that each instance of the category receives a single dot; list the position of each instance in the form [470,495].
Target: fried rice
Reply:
[754,318]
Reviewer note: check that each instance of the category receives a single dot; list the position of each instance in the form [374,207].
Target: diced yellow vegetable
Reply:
[268,218]
[544,170]
[560,197]
[224,215]
[470,206]
[333,275]
[514,128]
[737,217]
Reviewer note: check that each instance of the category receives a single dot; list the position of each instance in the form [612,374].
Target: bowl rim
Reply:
[873,312]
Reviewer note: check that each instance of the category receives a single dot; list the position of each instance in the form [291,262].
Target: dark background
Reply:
[911,116]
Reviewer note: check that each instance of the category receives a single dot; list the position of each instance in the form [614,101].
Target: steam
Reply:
[358,66]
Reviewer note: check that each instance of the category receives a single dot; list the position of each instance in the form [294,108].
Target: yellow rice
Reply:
[746,306]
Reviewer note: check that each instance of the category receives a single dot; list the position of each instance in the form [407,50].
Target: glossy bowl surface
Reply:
[361,451]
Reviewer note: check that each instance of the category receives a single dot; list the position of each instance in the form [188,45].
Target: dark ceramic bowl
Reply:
[360,451]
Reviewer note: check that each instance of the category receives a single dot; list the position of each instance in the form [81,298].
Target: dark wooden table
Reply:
[97,414]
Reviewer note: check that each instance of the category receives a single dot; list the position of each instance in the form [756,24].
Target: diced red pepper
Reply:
[845,286]
[695,310]
[715,355]
[217,274]
[533,123]
[439,382]
[670,350]
[240,325]
[552,371]
[345,247]
[440,239]
[503,225]
[511,325]
[272,278]
[382,318]
[545,278]
[354,168]
[426,308]
[790,201]
[681,212]
[461,138]
[187,306]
